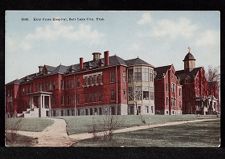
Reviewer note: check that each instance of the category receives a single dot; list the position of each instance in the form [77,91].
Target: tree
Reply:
[135,94]
[213,78]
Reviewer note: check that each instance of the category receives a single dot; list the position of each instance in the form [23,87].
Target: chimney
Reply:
[96,56]
[81,63]
[106,58]
[40,68]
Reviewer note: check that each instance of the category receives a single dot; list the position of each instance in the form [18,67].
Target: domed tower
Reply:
[189,61]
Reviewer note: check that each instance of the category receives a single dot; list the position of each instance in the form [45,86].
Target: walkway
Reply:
[54,135]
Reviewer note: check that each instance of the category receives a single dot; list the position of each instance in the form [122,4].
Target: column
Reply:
[40,101]
[49,105]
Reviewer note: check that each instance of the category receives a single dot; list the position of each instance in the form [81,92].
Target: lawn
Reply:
[28,124]
[17,140]
[80,124]
[200,134]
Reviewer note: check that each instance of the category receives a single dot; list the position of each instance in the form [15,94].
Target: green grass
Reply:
[28,124]
[200,134]
[80,124]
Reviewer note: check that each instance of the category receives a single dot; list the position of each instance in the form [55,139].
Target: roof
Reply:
[161,71]
[189,56]
[113,61]
[137,61]
[60,69]
[182,74]
[116,60]
[49,68]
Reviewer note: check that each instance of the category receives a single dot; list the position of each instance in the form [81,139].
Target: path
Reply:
[54,135]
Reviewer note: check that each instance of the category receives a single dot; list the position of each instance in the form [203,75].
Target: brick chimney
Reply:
[106,58]
[81,63]
[40,69]
[96,56]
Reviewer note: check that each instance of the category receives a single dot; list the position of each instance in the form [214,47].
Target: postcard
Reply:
[112,78]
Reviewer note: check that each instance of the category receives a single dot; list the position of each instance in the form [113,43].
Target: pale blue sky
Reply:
[158,37]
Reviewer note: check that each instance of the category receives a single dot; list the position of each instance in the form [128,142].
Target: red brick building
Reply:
[99,86]
[195,90]
[168,91]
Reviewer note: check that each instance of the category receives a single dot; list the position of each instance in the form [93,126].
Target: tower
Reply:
[189,61]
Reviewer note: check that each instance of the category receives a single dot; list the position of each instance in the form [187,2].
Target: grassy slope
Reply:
[28,124]
[82,124]
[202,134]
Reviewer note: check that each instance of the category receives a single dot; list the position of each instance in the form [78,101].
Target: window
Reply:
[130,75]
[62,99]
[95,79]
[92,80]
[138,93]
[147,109]
[68,100]
[68,112]
[179,91]
[86,111]
[112,95]
[130,94]
[85,81]
[167,100]
[91,111]
[61,112]
[173,87]
[151,75]
[112,76]
[124,76]
[145,74]
[146,95]
[99,79]
[152,109]
[100,111]
[54,113]
[137,74]
[100,97]
[89,81]
[78,98]
[166,86]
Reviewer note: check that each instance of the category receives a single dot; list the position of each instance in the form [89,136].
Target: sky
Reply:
[34,38]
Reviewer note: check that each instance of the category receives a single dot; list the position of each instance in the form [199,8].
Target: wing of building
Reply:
[95,87]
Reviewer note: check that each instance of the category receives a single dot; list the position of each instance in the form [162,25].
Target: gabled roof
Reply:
[137,61]
[161,71]
[182,74]
[60,69]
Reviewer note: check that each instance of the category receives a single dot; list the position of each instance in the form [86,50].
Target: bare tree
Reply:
[135,94]
[213,77]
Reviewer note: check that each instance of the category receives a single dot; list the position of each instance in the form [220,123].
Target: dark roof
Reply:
[161,71]
[50,68]
[189,56]
[60,69]
[182,74]
[113,61]
[116,60]
[137,61]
